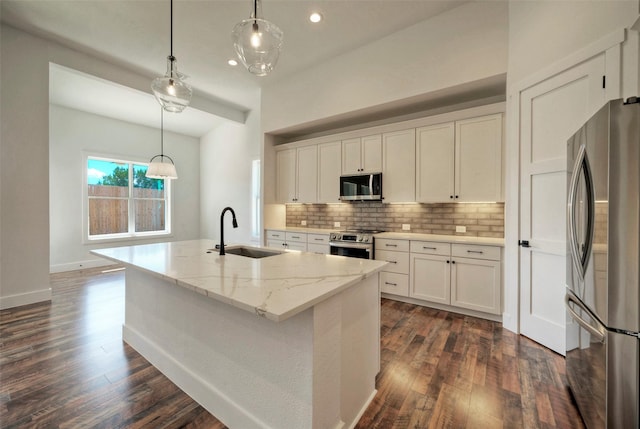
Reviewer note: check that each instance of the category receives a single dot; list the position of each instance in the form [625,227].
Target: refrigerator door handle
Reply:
[581,164]
[599,334]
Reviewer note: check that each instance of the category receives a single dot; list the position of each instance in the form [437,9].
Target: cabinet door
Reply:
[479,159]
[286,176]
[351,161]
[475,284]
[399,166]
[329,170]
[435,149]
[371,155]
[430,278]
[307,174]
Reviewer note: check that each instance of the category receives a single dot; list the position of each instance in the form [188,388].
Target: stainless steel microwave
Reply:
[361,187]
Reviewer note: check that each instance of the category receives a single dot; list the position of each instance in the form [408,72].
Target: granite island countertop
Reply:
[275,287]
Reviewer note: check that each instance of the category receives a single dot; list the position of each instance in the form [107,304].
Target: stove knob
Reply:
[365,239]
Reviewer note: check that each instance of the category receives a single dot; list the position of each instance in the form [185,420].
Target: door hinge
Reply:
[604,81]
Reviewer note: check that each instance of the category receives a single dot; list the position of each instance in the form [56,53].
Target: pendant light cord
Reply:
[161,133]
[171,14]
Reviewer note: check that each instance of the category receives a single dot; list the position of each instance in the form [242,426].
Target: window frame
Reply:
[129,235]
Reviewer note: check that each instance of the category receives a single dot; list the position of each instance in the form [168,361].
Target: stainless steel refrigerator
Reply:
[603,260]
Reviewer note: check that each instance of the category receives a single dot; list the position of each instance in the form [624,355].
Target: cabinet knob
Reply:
[447,262]
[456,196]
[451,196]
[453,262]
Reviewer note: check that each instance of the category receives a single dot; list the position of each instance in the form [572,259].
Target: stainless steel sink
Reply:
[249,252]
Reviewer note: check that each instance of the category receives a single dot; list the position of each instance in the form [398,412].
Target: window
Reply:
[122,202]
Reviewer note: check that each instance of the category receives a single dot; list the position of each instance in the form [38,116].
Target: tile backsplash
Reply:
[480,219]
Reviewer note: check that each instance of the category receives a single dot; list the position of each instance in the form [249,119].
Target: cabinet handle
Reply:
[319,239]
[475,251]
[391,284]
[294,236]
[393,262]
[391,245]
[276,235]
[429,248]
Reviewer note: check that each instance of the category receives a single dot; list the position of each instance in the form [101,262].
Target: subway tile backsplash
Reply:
[480,219]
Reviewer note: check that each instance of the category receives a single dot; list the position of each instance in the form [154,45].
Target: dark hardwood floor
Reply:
[63,365]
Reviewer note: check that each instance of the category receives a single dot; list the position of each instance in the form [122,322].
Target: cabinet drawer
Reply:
[275,235]
[475,251]
[393,283]
[298,237]
[318,238]
[388,244]
[431,248]
[399,261]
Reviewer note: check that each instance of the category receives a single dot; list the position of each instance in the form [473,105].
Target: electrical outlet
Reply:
[336,224]
[461,228]
[303,223]
[406,227]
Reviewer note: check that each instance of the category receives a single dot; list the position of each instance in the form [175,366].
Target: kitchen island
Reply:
[285,341]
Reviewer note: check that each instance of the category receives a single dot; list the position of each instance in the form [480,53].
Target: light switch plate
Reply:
[303,223]
[406,227]
[336,224]
[461,228]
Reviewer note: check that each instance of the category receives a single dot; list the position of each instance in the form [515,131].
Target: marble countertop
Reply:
[461,239]
[275,287]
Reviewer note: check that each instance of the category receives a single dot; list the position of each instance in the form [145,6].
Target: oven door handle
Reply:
[599,334]
[345,245]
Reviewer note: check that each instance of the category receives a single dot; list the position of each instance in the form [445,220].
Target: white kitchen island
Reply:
[286,341]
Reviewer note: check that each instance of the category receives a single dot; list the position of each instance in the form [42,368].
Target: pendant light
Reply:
[171,91]
[159,169]
[257,42]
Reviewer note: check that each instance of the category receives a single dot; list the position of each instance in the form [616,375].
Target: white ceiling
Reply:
[135,34]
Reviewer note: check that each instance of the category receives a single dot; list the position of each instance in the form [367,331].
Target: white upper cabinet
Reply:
[329,169]
[297,175]
[362,155]
[286,176]
[460,161]
[399,166]
[479,159]
[435,165]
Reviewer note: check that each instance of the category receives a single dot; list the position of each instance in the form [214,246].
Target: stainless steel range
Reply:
[353,243]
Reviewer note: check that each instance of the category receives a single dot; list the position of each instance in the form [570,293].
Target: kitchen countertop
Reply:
[275,287]
[489,241]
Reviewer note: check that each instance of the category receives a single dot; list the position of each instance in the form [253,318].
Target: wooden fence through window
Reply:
[109,209]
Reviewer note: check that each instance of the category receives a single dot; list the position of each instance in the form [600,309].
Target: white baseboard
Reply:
[362,411]
[80,265]
[25,298]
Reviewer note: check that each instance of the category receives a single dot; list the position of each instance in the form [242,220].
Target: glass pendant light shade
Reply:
[161,169]
[171,91]
[257,42]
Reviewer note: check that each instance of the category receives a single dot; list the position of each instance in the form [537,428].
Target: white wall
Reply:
[225,180]
[74,133]
[459,46]
[542,33]
[24,155]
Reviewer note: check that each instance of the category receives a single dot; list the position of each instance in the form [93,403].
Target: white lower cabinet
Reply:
[305,242]
[462,276]
[395,277]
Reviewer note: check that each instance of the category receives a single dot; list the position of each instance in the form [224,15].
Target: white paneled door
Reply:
[550,112]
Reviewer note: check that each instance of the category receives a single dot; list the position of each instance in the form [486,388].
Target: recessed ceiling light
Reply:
[232,62]
[315,17]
